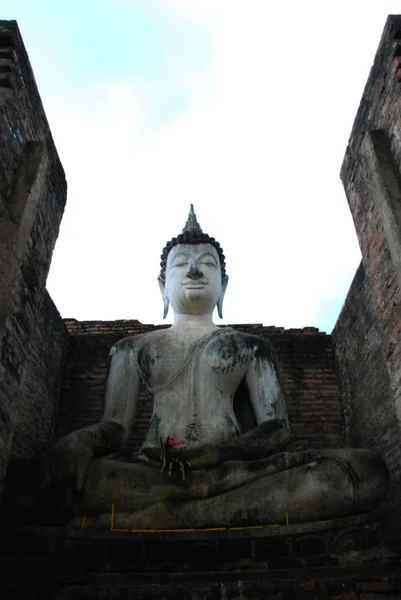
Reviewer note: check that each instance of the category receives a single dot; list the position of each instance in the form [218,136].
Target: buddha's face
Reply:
[193,283]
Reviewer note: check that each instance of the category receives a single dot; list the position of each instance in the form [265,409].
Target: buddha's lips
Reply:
[194,285]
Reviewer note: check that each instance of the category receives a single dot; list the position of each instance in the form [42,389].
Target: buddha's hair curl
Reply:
[191,237]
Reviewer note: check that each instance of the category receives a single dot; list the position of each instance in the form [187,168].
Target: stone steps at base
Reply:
[283,564]
[312,589]
[334,573]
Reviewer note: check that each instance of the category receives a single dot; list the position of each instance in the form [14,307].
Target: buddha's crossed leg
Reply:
[309,486]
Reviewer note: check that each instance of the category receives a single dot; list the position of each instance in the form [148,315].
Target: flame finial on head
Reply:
[191,234]
[192,225]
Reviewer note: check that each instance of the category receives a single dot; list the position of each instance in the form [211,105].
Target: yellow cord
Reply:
[84,525]
[112,518]
[112,528]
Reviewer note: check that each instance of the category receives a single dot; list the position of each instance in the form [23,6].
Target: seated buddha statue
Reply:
[214,453]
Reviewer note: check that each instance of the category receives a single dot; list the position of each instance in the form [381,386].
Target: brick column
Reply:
[32,199]
[367,335]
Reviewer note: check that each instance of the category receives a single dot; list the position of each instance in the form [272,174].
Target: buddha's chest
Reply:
[193,388]
[205,366]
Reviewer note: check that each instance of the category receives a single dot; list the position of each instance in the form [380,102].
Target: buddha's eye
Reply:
[208,263]
[181,264]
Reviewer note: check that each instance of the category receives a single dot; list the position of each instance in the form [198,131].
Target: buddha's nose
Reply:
[194,272]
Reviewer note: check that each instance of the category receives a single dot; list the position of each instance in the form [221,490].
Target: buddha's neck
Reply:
[193,322]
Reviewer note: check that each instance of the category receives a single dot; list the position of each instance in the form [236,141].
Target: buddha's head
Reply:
[193,272]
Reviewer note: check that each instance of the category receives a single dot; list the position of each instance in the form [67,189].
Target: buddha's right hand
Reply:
[50,486]
[69,460]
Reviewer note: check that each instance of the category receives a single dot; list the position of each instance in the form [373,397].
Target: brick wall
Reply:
[32,198]
[306,363]
[367,336]
[371,419]
[40,383]
[365,381]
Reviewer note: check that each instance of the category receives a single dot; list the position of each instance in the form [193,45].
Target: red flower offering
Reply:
[171,444]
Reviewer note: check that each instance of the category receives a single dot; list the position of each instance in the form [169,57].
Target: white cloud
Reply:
[258,152]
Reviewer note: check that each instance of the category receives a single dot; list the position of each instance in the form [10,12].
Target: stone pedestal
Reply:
[318,560]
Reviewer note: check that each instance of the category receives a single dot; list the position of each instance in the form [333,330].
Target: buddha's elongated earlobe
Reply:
[166,305]
[221,297]
[220,307]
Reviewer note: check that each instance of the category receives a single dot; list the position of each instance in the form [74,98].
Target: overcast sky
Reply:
[242,107]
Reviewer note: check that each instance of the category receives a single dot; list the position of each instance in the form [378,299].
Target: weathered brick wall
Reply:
[371,419]
[367,335]
[32,198]
[40,383]
[306,364]
[365,381]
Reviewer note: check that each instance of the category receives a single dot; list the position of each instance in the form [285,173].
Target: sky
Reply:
[241,107]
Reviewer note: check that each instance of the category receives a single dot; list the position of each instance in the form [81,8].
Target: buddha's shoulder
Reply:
[258,345]
[139,341]
[229,340]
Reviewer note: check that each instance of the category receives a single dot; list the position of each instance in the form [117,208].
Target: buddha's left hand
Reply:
[203,457]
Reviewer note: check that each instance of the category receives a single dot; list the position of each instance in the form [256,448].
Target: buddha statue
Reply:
[214,453]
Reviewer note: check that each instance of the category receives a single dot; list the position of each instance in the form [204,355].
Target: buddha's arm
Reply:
[122,389]
[272,431]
